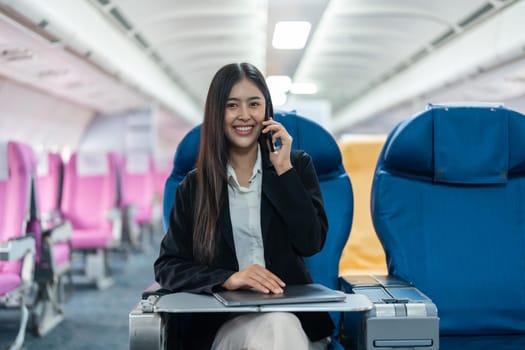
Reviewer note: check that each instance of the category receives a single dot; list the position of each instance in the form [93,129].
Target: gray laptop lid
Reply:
[300,293]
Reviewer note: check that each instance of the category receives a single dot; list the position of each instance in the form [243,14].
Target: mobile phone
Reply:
[269,134]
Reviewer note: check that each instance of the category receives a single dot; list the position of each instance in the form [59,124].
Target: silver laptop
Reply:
[293,294]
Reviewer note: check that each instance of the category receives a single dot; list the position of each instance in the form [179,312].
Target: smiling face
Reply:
[243,116]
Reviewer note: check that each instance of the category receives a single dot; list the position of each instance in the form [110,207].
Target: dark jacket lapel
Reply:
[225,224]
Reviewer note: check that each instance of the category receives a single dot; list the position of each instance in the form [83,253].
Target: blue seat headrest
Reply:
[186,154]
[443,144]
[316,141]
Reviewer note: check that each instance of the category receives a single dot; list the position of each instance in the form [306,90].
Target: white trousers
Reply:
[265,331]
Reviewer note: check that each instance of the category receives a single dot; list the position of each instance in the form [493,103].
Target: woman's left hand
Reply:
[281,157]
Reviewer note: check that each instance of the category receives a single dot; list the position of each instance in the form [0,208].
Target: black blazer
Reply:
[294,225]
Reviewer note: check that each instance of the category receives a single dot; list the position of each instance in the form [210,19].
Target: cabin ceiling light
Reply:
[278,98]
[290,35]
[280,83]
[16,54]
[52,73]
[303,88]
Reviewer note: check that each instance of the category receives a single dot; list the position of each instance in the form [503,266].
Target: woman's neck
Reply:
[243,161]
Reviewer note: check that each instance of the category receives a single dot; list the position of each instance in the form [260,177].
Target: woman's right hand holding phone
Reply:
[281,157]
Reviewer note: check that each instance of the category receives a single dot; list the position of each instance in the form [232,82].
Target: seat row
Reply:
[446,205]
[51,211]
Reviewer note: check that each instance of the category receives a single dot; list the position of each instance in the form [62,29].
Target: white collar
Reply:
[257,169]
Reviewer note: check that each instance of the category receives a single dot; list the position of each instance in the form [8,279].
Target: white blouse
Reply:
[245,213]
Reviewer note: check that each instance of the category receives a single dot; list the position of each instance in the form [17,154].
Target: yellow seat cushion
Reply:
[363,253]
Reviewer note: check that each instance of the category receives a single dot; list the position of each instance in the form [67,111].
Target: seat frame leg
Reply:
[47,311]
[20,337]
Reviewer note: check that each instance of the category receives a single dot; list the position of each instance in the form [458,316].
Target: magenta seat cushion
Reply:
[10,266]
[91,239]
[144,215]
[8,282]
[61,253]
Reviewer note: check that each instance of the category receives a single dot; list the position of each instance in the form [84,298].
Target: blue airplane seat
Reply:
[183,161]
[447,204]
[337,196]
[335,186]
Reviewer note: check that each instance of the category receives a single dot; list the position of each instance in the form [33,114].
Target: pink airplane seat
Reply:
[49,191]
[17,163]
[89,196]
[53,241]
[137,177]
[49,179]
[89,202]
[162,172]
[138,185]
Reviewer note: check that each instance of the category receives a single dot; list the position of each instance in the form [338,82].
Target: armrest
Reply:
[130,209]
[387,289]
[147,328]
[51,216]
[16,248]
[114,214]
[59,233]
[154,289]
[402,316]
[150,296]
[352,281]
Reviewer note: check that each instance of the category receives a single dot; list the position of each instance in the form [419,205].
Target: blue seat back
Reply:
[335,186]
[337,193]
[183,161]
[448,200]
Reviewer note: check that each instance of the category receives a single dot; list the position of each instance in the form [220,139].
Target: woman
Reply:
[244,218]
